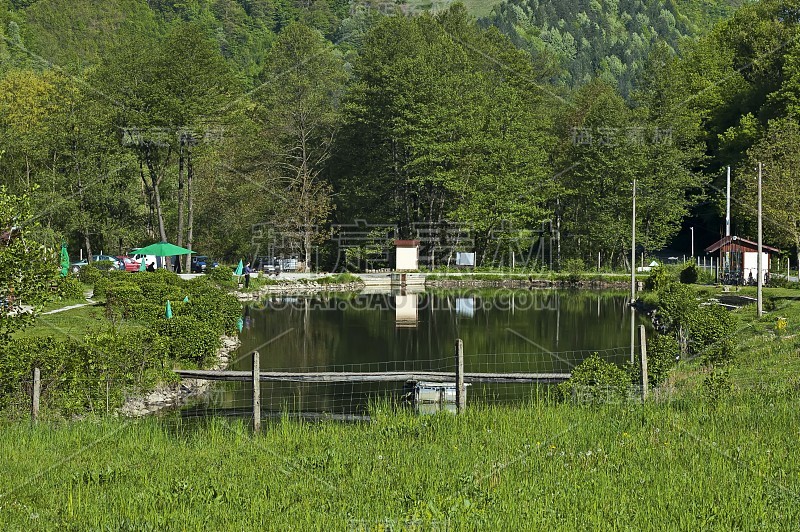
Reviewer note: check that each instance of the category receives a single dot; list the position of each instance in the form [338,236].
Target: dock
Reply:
[383,376]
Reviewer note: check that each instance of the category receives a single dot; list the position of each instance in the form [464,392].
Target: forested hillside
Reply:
[610,39]
[128,121]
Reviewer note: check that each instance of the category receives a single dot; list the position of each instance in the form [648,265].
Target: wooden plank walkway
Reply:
[383,376]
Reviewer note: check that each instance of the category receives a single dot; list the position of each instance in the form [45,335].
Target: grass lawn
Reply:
[73,323]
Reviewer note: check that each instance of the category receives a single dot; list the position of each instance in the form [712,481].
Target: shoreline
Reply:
[166,396]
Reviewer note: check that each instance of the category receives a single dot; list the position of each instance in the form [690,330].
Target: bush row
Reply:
[137,347]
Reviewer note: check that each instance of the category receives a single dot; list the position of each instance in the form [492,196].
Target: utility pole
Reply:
[760,258]
[633,247]
[728,206]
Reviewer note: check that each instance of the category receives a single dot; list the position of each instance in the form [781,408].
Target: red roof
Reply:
[739,241]
[406,243]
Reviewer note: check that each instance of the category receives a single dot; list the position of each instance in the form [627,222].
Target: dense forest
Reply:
[202,122]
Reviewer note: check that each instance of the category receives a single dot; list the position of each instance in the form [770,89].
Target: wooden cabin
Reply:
[738,260]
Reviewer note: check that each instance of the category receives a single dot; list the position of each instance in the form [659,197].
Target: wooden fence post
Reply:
[37,388]
[643,342]
[461,398]
[256,392]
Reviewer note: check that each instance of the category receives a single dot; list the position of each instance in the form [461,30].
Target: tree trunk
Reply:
[179,240]
[190,206]
[307,246]
[155,178]
[85,225]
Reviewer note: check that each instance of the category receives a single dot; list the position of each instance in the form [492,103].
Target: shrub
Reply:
[189,338]
[662,354]
[596,381]
[69,287]
[658,279]
[339,278]
[119,297]
[77,371]
[711,334]
[104,265]
[100,287]
[89,274]
[689,274]
[574,268]
[222,276]
[220,311]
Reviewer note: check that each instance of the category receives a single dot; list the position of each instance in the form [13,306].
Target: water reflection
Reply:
[502,330]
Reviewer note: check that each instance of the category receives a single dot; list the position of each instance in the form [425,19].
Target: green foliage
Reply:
[574,268]
[577,41]
[712,334]
[702,331]
[339,278]
[27,267]
[689,274]
[89,274]
[189,339]
[77,370]
[717,385]
[596,381]
[662,355]
[658,279]
[444,122]
[222,276]
[69,287]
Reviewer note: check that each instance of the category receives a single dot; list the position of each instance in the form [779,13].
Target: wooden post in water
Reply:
[256,392]
[643,342]
[37,388]
[461,399]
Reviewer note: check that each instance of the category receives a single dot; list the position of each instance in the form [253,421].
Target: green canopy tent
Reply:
[163,249]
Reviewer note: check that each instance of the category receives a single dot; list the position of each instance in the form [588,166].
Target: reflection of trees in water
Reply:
[503,331]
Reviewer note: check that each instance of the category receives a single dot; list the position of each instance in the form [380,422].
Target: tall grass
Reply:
[681,464]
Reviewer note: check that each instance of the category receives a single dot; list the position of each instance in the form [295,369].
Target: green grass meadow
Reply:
[679,464]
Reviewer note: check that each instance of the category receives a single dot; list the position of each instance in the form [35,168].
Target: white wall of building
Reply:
[751,265]
[407,258]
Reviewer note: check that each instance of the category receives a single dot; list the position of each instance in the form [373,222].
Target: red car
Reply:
[130,264]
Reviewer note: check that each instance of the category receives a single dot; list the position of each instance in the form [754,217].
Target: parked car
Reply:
[201,263]
[117,264]
[129,264]
[266,265]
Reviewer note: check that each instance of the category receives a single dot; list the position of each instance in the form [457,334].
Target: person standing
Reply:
[247,272]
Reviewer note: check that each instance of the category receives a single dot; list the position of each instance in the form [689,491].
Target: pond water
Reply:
[502,331]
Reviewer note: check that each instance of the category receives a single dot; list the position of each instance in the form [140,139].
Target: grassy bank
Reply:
[681,464]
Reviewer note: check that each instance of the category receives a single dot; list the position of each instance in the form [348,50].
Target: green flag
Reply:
[64,259]
[239,268]
[168,312]
[240,324]
[142,265]
[186,299]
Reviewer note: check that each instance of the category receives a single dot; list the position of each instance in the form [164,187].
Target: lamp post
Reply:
[692,229]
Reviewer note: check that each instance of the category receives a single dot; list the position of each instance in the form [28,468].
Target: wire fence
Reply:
[318,391]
